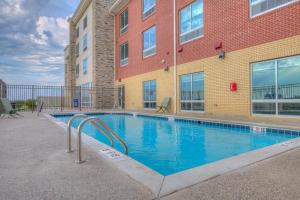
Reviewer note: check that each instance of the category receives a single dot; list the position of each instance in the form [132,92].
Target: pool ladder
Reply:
[105,130]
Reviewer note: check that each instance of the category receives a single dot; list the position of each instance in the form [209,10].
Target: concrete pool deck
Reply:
[34,165]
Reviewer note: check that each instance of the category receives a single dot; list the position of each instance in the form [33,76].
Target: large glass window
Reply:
[192,92]
[276,86]
[124,54]
[148,7]
[150,94]
[84,42]
[85,66]
[258,7]
[191,21]
[149,42]
[124,21]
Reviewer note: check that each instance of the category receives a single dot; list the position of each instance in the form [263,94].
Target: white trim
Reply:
[279,116]
[192,111]
[270,10]
[175,57]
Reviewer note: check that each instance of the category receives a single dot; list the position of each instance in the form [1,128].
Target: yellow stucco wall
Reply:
[218,76]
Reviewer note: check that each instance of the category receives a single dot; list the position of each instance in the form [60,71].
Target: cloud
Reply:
[33,34]
[51,29]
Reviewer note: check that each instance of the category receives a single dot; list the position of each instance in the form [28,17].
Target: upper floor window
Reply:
[77,49]
[192,92]
[124,21]
[77,32]
[258,7]
[191,21]
[149,94]
[84,42]
[276,87]
[77,70]
[85,66]
[85,21]
[149,42]
[124,54]
[148,7]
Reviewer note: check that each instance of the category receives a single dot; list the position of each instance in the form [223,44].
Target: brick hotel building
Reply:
[221,57]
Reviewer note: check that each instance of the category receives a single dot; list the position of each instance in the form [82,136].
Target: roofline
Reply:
[84,4]
[117,6]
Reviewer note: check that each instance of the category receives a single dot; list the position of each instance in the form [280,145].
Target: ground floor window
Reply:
[86,95]
[150,94]
[192,92]
[276,87]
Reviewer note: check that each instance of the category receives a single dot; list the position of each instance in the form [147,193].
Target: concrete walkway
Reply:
[34,165]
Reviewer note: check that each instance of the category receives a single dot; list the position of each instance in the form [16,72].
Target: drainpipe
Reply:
[174,57]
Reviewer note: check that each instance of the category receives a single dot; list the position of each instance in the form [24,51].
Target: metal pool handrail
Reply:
[95,120]
[69,148]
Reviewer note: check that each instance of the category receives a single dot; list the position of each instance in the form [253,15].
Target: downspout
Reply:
[174,57]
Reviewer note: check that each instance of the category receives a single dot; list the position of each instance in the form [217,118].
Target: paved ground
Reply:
[34,165]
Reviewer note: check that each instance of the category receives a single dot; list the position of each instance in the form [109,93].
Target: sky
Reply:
[33,35]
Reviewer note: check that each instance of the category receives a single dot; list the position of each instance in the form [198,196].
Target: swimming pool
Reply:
[172,145]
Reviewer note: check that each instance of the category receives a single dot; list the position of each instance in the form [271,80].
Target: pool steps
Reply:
[94,121]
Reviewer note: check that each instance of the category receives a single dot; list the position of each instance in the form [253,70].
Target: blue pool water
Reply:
[173,146]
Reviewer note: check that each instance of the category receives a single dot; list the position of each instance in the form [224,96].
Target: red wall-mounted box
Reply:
[233,87]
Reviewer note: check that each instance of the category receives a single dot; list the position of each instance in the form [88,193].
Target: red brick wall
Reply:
[163,19]
[225,21]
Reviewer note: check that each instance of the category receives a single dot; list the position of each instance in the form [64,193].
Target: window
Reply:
[191,21]
[276,87]
[85,66]
[258,7]
[85,21]
[148,7]
[124,21]
[192,92]
[77,32]
[84,42]
[77,49]
[124,54]
[77,70]
[150,94]
[149,37]
[86,95]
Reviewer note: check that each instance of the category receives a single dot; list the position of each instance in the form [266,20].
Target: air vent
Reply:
[191,35]
[149,12]
[265,5]
[149,52]
[124,62]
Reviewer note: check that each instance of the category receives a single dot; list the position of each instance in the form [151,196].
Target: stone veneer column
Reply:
[71,79]
[103,54]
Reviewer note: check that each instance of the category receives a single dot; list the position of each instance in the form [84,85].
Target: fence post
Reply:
[1,90]
[61,98]
[32,96]
[79,98]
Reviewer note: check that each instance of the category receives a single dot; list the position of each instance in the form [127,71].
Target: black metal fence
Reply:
[62,98]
